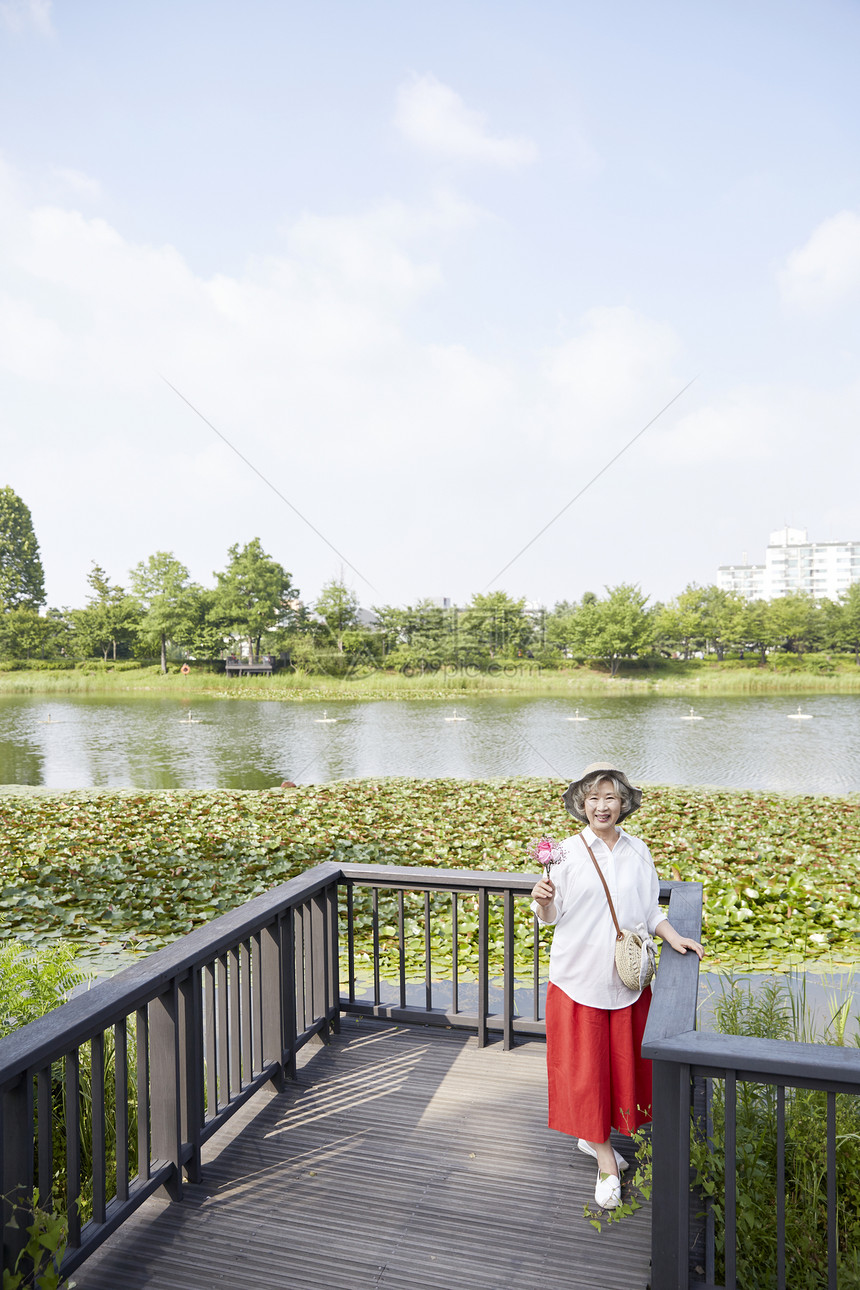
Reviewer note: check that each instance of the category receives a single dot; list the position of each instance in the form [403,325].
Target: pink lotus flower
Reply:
[546,852]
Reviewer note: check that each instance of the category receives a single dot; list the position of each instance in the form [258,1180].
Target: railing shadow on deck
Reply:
[115,1093]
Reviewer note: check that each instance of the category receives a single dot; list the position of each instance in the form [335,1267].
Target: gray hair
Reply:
[580,793]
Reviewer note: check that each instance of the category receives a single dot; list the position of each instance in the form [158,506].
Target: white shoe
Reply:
[589,1151]
[607,1191]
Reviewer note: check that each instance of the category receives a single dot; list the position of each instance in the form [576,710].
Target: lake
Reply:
[145,743]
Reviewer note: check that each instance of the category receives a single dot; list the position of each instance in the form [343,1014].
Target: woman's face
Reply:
[602,806]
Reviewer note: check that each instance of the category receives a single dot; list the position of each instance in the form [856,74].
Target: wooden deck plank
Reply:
[403,1158]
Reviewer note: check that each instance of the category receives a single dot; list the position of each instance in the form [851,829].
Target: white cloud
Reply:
[619,369]
[305,361]
[826,270]
[427,461]
[20,14]
[76,183]
[745,425]
[433,116]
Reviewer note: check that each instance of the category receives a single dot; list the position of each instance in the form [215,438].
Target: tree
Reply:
[168,598]
[253,594]
[497,623]
[420,636]
[25,634]
[757,627]
[22,581]
[615,628]
[794,621]
[338,607]
[849,619]
[721,618]
[681,623]
[111,616]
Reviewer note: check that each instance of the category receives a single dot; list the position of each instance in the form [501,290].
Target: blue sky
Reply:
[429,268]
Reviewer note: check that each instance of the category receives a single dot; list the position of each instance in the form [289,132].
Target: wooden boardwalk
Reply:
[404,1158]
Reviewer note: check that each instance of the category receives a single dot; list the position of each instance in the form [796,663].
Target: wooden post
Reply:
[271,980]
[192,1112]
[333,1000]
[319,962]
[17,1175]
[670,1192]
[165,1084]
[288,990]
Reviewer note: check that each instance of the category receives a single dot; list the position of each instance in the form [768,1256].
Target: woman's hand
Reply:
[684,943]
[543,894]
[666,932]
[543,891]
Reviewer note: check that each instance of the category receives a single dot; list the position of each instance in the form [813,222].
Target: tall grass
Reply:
[32,983]
[780,1010]
[517,679]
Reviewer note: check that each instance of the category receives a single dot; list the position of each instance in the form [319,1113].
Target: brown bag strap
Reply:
[605,888]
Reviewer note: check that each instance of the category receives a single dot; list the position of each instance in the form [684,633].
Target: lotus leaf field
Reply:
[136,870]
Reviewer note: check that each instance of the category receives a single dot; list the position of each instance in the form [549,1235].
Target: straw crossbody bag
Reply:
[635,952]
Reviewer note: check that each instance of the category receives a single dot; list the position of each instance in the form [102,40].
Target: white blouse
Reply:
[582,958]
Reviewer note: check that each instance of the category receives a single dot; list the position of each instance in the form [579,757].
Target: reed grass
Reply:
[511,680]
[780,1010]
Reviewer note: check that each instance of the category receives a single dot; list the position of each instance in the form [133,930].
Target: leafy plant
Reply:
[38,1262]
[33,982]
[772,1014]
[634,1192]
[137,870]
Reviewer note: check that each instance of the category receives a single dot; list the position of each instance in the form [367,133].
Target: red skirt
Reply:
[598,1078]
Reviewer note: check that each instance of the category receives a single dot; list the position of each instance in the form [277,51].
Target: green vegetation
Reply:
[36,1266]
[515,679]
[777,1012]
[496,638]
[33,981]
[136,870]
[22,582]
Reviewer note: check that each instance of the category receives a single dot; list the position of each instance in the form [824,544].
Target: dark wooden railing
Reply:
[172,1046]
[213,1017]
[688,1061]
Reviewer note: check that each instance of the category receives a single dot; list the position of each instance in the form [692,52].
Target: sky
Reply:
[429,269]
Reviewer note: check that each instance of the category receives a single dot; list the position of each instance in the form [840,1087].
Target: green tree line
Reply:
[254,607]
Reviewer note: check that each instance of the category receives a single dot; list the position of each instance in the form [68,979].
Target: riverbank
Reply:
[133,871]
[672,678]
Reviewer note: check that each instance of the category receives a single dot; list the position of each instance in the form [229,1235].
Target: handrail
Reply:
[681,1055]
[193,1030]
[418,877]
[763,1060]
[209,1019]
[114,997]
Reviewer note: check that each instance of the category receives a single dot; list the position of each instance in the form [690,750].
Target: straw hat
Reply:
[609,770]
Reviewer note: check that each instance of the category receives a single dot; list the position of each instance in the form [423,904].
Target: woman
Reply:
[598,1078]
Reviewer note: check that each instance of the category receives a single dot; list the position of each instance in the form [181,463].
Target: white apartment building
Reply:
[793,563]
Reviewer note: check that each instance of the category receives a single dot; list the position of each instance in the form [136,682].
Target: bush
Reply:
[32,983]
[37,665]
[775,1014]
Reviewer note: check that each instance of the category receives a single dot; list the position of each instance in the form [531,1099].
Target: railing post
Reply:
[287,986]
[17,1166]
[508,1032]
[483,964]
[670,1193]
[319,963]
[333,999]
[191,1070]
[272,984]
[165,1082]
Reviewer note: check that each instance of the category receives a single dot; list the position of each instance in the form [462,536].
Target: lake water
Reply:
[143,742]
